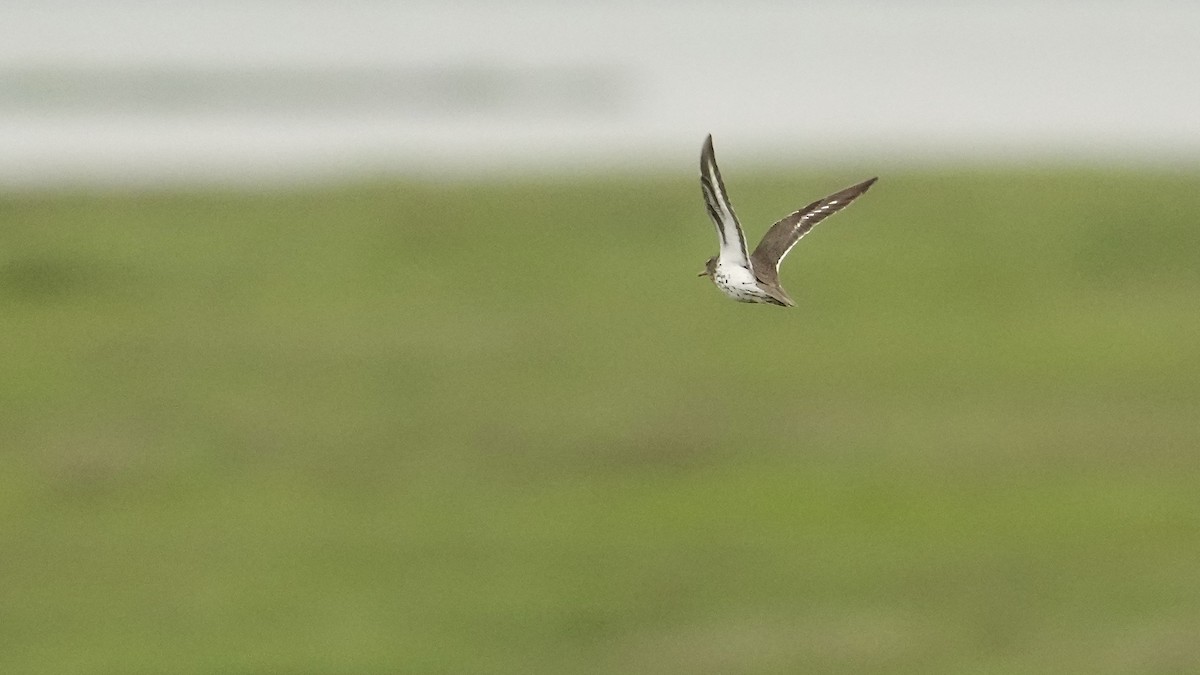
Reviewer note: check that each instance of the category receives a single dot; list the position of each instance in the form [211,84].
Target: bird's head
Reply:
[710,266]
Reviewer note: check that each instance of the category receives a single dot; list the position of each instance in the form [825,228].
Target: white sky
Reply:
[248,91]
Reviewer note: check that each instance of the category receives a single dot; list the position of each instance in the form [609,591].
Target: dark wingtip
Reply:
[707,156]
[859,188]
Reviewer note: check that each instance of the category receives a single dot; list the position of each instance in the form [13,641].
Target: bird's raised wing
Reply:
[733,242]
[783,235]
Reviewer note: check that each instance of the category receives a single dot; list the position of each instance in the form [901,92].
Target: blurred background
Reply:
[366,337]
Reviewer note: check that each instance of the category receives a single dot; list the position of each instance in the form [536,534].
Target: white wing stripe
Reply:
[733,242]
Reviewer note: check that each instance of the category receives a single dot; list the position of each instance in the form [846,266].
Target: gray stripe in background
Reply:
[434,90]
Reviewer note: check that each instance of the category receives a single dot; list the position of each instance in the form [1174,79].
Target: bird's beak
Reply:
[702,274]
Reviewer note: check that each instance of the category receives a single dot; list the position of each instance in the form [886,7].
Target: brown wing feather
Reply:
[733,243]
[783,235]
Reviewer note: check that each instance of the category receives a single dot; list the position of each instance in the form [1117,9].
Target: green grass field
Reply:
[482,428]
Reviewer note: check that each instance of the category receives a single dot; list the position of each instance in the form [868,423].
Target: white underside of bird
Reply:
[737,282]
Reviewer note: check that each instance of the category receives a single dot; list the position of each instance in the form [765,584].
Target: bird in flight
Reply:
[754,277]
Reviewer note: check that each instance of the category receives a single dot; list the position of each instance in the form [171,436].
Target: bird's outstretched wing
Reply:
[783,235]
[733,242]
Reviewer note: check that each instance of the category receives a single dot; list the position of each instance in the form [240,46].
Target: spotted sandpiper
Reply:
[754,277]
